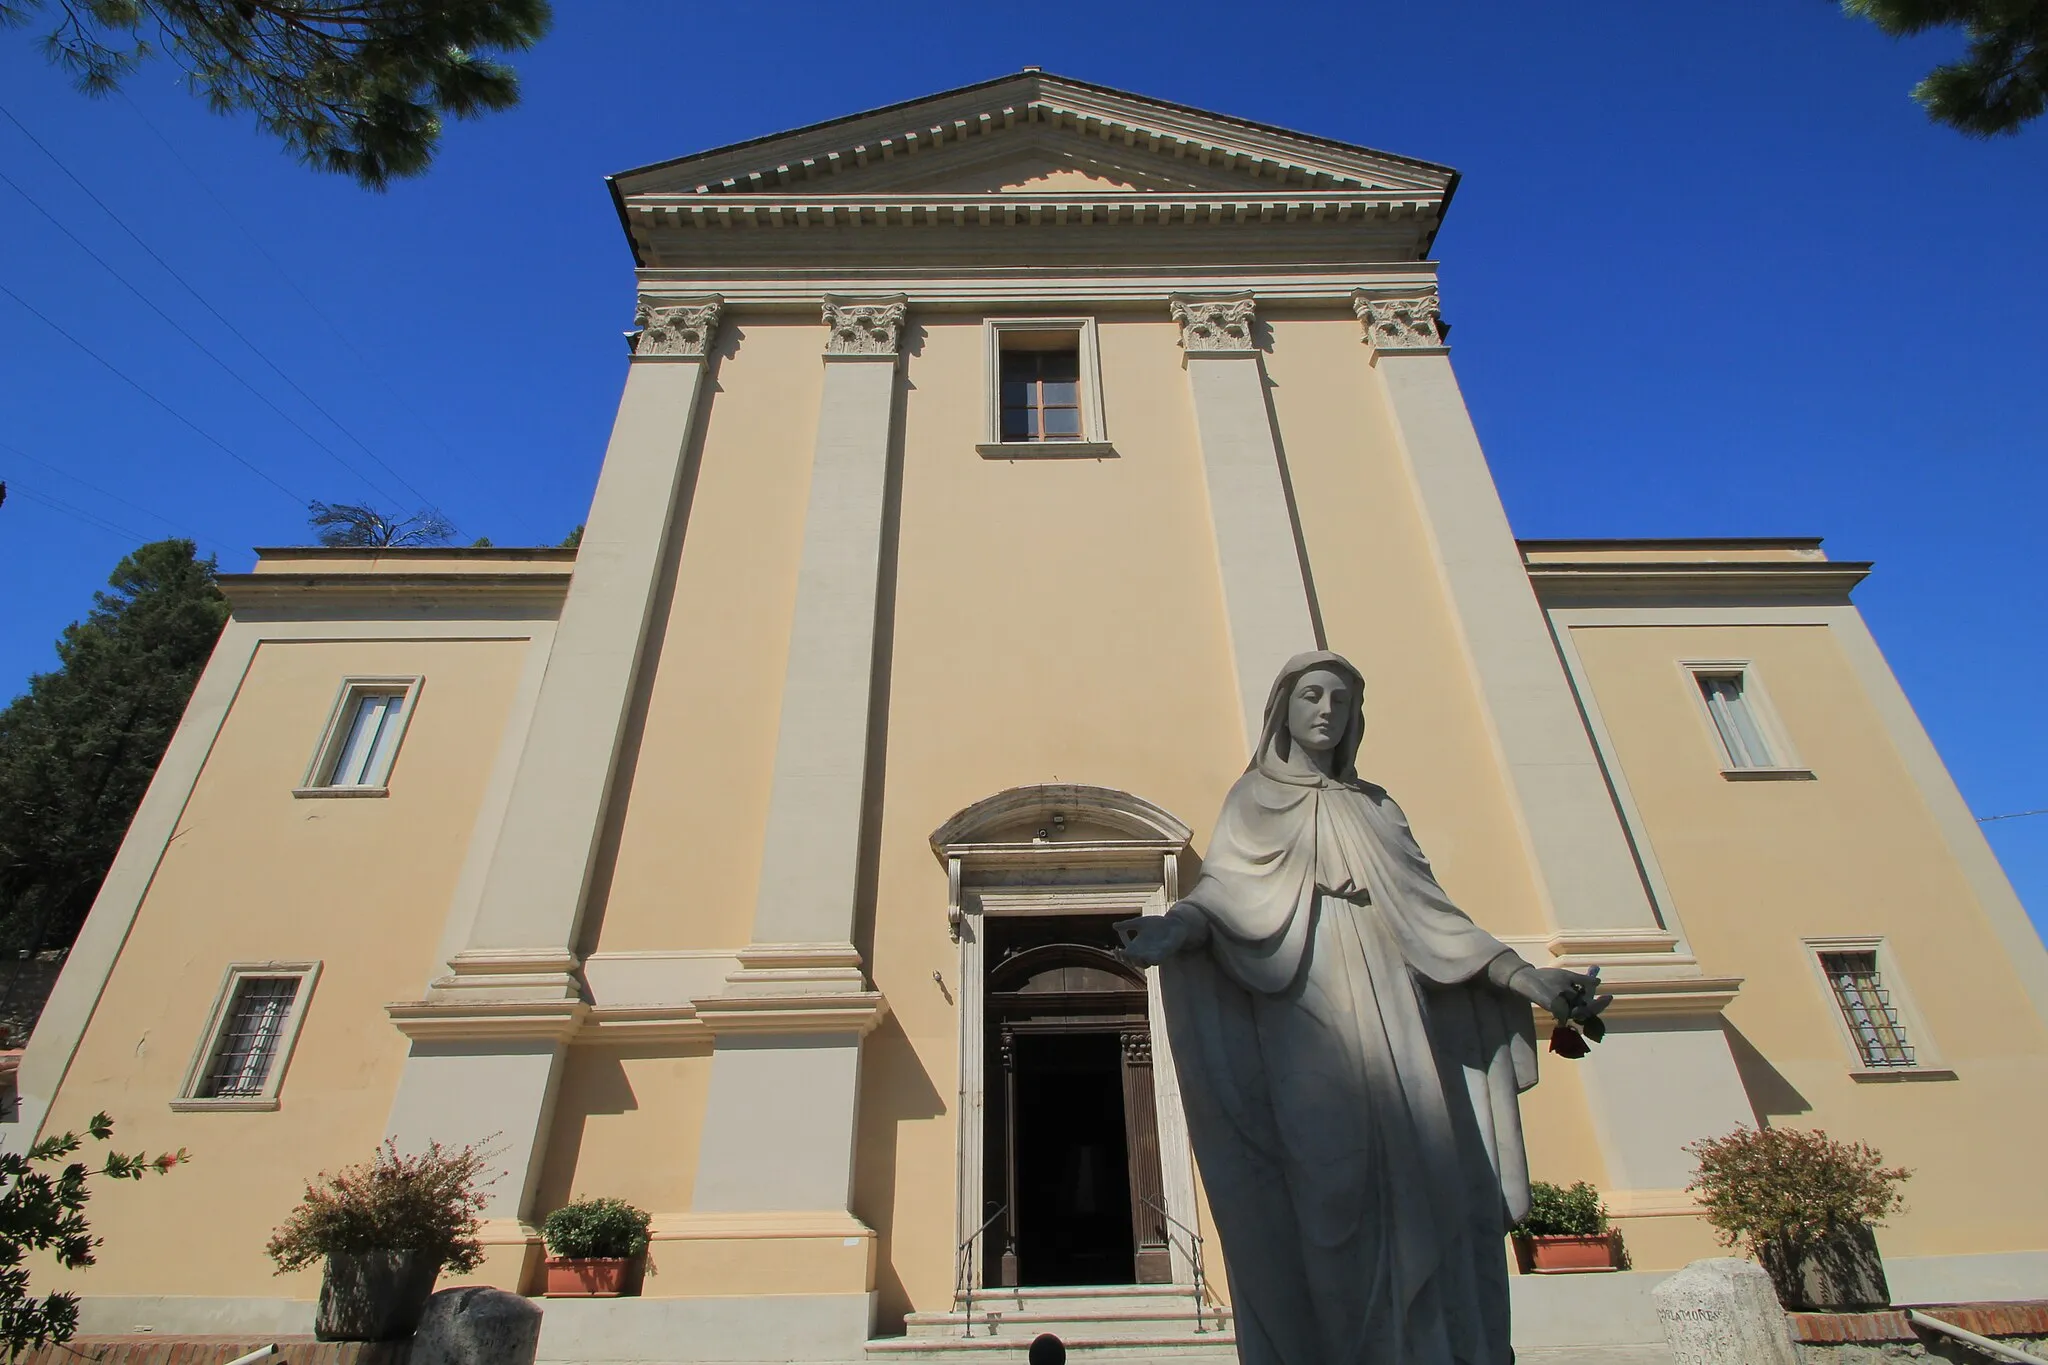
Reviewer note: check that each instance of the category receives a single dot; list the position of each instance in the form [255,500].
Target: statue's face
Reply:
[1316,709]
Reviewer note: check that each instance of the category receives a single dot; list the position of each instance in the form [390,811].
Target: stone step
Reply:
[1207,1348]
[1065,1320]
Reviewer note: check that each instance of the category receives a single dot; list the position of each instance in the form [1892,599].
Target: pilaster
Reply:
[1265,583]
[779,1126]
[488,1037]
[1574,831]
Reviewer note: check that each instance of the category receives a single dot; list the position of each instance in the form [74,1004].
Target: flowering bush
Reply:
[428,1202]
[1776,1190]
[596,1227]
[1556,1211]
[41,1212]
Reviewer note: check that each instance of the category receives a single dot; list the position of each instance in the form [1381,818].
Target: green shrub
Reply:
[1557,1211]
[428,1202]
[596,1227]
[1783,1188]
[40,1211]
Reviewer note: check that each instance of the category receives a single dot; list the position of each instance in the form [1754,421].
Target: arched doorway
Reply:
[1074,1164]
[1073,1141]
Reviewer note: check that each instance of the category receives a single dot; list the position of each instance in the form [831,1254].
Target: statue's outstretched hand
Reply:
[1151,939]
[1569,996]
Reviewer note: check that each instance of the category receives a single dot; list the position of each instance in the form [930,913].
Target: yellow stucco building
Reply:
[978,462]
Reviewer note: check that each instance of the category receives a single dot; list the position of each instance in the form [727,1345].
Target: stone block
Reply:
[1723,1312]
[477,1325]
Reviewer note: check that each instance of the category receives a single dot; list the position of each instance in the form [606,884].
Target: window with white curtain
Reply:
[1735,720]
[240,1060]
[362,737]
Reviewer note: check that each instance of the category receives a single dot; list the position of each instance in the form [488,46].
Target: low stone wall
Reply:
[1880,1338]
[168,1350]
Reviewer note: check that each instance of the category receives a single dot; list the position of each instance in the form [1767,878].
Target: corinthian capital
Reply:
[1405,321]
[1223,324]
[864,326]
[669,327]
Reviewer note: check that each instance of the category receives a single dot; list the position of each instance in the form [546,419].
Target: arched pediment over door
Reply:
[1078,855]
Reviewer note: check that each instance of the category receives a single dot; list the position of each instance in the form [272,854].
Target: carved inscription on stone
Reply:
[1214,324]
[1406,323]
[874,328]
[674,328]
[1724,1312]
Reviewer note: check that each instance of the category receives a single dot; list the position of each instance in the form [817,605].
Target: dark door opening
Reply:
[1073,1166]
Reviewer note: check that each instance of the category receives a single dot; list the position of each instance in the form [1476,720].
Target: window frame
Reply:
[318,781]
[188,1099]
[1927,1059]
[1094,441]
[1757,699]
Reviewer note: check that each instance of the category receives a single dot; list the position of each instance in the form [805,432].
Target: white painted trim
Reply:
[1094,429]
[307,974]
[320,769]
[1928,1062]
[1135,283]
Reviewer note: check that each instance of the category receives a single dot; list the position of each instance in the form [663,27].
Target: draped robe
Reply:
[1349,1059]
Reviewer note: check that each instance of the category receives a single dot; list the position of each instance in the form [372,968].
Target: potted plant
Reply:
[596,1248]
[1804,1205]
[1565,1231]
[386,1228]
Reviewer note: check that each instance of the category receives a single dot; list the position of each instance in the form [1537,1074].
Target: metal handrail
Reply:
[1985,1344]
[1194,1252]
[963,1267]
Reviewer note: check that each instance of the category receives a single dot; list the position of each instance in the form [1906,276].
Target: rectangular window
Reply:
[1044,388]
[1042,395]
[1867,1008]
[362,737]
[247,1046]
[241,1057]
[1742,739]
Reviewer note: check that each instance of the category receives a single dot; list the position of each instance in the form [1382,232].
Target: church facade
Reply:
[979,461]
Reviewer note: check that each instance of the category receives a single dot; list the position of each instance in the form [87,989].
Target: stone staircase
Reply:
[1106,1323]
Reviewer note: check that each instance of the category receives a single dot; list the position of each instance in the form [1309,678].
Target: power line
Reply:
[2014,815]
[254,349]
[370,367]
[77,513]
[176,526]
[120,374]
[197,344]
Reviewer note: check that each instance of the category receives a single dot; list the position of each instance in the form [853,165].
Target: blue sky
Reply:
[1711,274]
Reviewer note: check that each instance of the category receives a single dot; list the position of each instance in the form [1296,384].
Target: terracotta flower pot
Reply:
[1564,1255]
[374,1295]
[593,1277]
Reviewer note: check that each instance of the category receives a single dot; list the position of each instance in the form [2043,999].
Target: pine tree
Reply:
[78,749]
[2002,81]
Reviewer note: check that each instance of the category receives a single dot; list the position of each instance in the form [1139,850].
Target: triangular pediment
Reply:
[1034,133]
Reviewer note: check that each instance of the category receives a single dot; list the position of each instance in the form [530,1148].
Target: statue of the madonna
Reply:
[1350,1048]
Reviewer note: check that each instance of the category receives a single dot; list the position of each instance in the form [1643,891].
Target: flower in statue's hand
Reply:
[1567,1041]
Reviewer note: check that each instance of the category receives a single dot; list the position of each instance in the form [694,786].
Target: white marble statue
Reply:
[1350,1048]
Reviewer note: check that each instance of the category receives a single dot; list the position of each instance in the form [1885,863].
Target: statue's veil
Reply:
[1275,742]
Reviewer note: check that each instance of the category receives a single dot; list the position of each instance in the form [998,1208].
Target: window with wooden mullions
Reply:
[1041,395]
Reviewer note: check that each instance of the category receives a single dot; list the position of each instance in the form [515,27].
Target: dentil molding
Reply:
[864,326]
[1214,324]
[671,329]
[1401,322]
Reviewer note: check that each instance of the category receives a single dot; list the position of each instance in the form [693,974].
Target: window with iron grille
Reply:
[1041,395]
[249,1040]
[1868,1009]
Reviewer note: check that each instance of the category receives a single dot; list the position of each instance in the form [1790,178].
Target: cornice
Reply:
[273,589]
[1633,583]
[797,288]
[1065,209]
